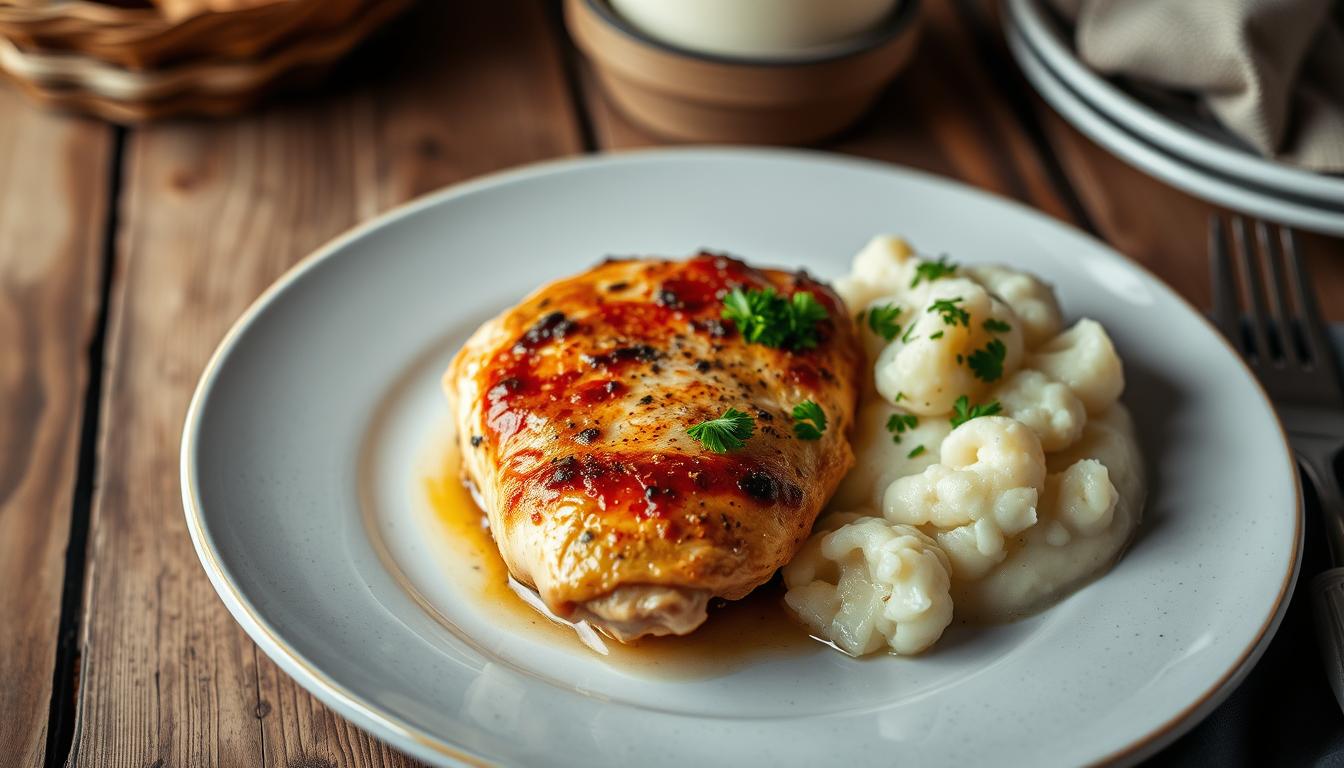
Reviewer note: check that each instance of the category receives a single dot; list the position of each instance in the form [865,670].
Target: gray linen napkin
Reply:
[1271,71]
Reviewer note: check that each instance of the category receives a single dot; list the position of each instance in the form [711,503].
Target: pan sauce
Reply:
[737,633]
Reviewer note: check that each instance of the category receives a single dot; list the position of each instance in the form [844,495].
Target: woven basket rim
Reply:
[222,36]
[70,73]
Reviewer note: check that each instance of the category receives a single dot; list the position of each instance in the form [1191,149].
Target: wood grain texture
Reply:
[53,184]
[1165,229]
[213,213]
[963,110]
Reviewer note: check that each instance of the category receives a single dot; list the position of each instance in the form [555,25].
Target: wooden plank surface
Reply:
[963,110]
[1165,229]
[214,211]
[53,184]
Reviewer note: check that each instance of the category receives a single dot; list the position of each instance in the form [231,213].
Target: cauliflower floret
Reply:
[905,305]
[885,266]
[926,370]
[1108,438]
[1083,526]
[1081,499]
[1031,298]
[985,488]
[1048,408]
[1084,359]
[871,583]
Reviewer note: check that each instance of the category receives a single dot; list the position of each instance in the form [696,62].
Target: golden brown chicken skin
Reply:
[573,407]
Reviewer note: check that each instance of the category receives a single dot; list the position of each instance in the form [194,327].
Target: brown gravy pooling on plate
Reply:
[737,633]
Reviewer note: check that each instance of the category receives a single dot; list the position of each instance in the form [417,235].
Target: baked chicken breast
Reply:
[573,410]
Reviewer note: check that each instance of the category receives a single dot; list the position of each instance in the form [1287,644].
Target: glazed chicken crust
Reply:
[572,410]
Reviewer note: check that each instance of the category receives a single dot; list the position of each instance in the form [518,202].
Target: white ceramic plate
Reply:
[300,450]
[1209,146]
[1136,151]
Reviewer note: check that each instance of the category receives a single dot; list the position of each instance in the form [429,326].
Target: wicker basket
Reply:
[129,64]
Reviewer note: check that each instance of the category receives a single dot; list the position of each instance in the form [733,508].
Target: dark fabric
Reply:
[1284,713]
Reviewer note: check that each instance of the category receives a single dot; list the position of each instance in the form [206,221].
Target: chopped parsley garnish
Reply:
[963,411]
[727,433]
[937,335]
[906,338]
[950,312]
[898,398]
[882,320]
[809,421]
[765,317]
[933,270]
[916,451]
[994,325]
[899,423]
[987,363]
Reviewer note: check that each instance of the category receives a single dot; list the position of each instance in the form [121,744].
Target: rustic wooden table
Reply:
[126,253]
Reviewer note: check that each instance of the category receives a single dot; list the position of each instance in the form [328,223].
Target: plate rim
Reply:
[429,747]
[1203,183]
[1308,187]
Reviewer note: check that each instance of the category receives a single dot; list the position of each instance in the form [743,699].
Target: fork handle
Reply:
[1327,592]
[1318,459]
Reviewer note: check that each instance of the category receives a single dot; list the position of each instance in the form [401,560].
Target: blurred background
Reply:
[161,163]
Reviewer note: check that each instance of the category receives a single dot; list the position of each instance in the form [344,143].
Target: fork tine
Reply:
[1224,290]
[1278,295]
[1309,315]
[1246,270]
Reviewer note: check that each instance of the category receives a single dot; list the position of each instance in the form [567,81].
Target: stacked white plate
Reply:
[1166,137]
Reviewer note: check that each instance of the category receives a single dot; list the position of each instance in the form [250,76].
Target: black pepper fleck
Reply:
[714,327]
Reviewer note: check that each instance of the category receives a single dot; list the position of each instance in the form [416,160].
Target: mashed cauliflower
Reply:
[996,467]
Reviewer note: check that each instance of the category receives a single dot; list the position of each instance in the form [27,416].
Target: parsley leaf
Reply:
[753,312]
[906,338]
[950,312]
[933,270]
[916,451]
[882,320]
[899,423]
[996,326]
[809,421]
[727,433]
[937,335]
[963,411]
[987,363]
[765,317]
[804,314]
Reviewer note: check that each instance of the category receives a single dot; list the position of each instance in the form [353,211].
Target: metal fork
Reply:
[1279,332]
